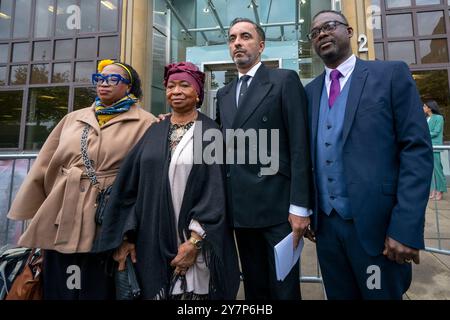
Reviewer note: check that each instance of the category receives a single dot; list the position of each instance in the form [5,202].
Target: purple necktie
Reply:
[335,88]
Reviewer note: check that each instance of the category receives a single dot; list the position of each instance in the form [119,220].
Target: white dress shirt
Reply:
[250,73]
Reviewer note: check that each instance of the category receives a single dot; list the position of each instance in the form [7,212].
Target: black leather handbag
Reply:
[127,286]
[100,203]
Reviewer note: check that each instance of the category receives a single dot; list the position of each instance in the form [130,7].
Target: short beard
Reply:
[242,62]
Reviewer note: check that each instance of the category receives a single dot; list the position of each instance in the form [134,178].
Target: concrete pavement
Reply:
[431,278]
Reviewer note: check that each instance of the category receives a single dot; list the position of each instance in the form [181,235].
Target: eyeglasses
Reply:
[329,26]
[110,79]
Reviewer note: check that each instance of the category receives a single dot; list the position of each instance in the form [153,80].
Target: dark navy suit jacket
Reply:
[387,153]
[275,99]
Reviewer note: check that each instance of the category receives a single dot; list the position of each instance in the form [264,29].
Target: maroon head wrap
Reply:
[188,72]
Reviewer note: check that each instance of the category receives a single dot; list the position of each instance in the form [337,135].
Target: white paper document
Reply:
[285,256]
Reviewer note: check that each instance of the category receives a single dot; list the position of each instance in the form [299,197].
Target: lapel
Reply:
[228,105]
[257,91]
[315,109]
[358,81]
[88,116]
[130,115]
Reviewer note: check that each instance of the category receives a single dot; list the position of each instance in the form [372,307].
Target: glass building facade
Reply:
[418,32]
[49,48]
[48,51]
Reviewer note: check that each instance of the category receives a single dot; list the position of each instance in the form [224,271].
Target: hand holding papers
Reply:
[285,256]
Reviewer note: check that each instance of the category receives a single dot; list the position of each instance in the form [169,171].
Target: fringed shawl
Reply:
[141,207]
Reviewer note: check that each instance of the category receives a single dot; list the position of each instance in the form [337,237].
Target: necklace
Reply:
[176,133]
[194,117]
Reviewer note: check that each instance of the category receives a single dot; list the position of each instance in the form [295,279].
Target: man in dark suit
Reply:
[265,208]
[372,160]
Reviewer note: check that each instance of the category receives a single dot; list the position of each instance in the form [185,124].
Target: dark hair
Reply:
[331,11]
[433,106]
[259,30]
[136,84]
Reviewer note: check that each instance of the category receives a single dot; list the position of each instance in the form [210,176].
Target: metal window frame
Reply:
[72,84]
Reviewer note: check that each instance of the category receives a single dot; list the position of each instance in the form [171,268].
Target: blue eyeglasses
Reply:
[110,79]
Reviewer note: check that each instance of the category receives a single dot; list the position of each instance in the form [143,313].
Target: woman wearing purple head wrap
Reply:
[171,208]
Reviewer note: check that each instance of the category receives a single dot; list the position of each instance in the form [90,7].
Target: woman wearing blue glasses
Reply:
[79,161]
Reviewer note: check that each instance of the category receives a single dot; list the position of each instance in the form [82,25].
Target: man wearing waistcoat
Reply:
[265,208]
[372,163]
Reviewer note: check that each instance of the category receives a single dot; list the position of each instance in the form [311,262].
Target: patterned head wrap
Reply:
[188,72]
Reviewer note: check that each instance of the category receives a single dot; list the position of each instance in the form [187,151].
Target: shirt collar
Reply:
[344,68]
[252,71]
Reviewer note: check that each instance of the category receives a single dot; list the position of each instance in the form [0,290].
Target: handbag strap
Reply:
[90,171]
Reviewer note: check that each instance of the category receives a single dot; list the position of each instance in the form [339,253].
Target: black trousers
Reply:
[78,276]
[258,264]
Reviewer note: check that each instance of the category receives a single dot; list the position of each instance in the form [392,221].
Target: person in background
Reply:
[372,160]
[58,196]
[436,125]
[168,212]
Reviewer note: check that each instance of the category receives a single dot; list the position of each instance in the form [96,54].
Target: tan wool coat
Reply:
[57,195]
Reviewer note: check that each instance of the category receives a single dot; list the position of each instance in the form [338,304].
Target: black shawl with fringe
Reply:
[140,206]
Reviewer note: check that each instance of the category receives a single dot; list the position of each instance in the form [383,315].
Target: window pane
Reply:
[5,18]
[377,28]
[46,107]
[108,47]
[399,25]
[160,15]
[2,76]
[433,84]
[158,101]
[379,53]
[434,51]
[86,48]
[427,2]
[43,19]
[4,52]
[430,23]
[22,19]
[21,52]
[10,114]
[397,3]
[402,51]
[84,71]
[109,16]
[18,75]
[84,97]
[39,73]
[61,72]
[41,51]
[62,18]
[89,11]
[64,49]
